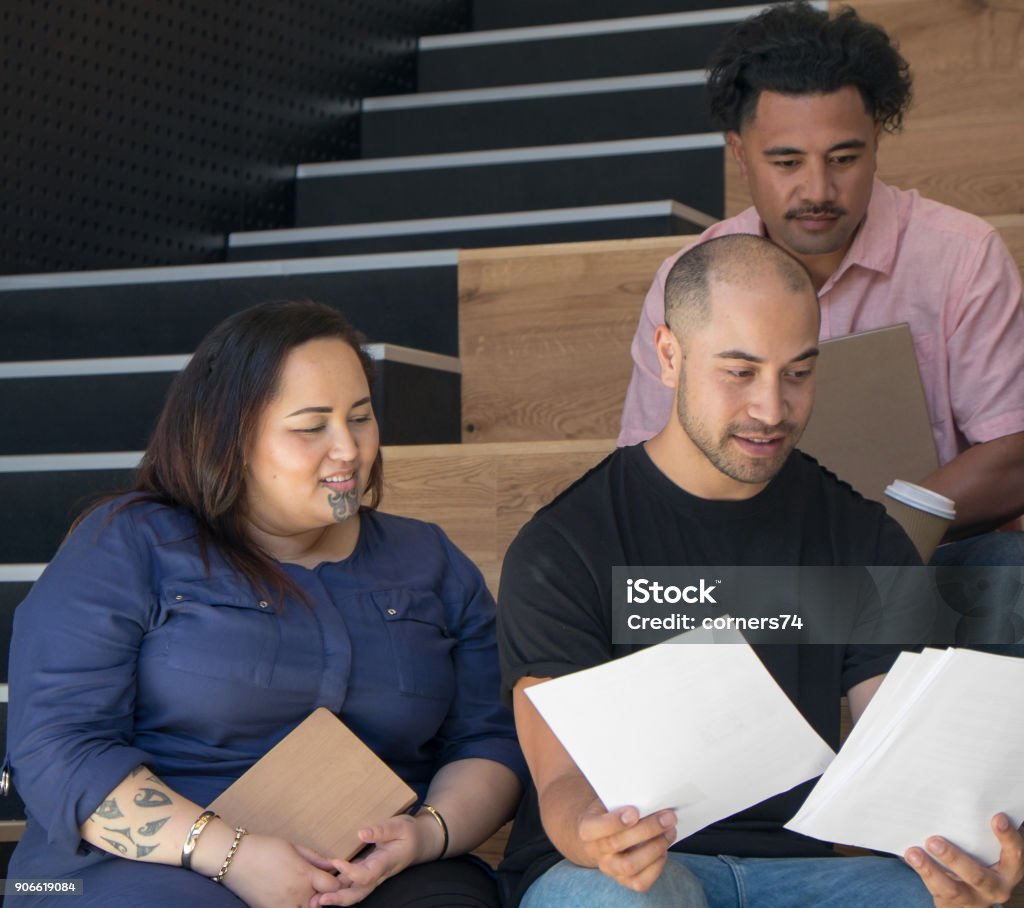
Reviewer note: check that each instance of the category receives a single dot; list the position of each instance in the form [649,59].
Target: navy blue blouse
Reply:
[128,651]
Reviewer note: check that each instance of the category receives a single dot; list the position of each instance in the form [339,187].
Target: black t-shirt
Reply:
[555,607]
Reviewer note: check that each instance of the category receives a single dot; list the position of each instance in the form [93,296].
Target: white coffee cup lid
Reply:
[921,498]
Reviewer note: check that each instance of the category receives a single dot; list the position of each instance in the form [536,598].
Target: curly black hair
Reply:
[794,49]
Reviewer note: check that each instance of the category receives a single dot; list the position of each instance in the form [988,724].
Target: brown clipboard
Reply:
[870,423]
[316,787]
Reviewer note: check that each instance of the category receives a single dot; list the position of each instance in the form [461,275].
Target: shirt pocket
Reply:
[217,631]
[421,645]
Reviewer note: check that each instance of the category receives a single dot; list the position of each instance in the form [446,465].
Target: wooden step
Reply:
[481,495]
[544,333]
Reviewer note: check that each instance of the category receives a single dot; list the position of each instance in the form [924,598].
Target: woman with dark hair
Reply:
[245,579]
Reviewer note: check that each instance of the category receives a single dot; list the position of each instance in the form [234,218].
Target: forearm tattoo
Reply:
[150,797]
[108,810]
[119,836]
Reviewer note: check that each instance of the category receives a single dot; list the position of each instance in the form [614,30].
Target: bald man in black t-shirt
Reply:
[721,484]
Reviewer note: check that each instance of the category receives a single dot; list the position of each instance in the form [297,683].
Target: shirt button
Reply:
[264,603]
[178,598]
[392,611]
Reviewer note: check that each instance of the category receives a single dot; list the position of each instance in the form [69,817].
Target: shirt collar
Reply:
[874,246]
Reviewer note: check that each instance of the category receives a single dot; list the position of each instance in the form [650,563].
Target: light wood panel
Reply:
[545,333]
[962,138]
[482,494]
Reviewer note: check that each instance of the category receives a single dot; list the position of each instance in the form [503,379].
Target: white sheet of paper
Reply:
[900,689]
[700,727]
[939,754]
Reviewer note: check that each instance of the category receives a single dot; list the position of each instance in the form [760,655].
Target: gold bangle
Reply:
[436,814]
[193,837]
[239,832]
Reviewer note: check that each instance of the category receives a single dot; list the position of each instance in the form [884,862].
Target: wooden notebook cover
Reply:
[316,787]
[870,423]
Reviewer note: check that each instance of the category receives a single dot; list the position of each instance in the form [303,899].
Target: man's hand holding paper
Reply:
[912,767]
[960,881]
[627,847]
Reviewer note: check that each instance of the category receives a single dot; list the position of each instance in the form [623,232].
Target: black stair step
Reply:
[492,14]
[560,225]
[406,299]
[592,110]
[48,500]
[416,396]
[12,591]
[688,168]
[86,404]
[579,50]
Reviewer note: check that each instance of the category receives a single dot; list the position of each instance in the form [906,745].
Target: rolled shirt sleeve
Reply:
[478,724]
[985,342]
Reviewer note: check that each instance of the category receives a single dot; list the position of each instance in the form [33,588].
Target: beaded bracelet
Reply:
[436,814]
[239,832]
[193,837]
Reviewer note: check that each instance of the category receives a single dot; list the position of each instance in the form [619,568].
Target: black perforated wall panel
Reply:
[140,133]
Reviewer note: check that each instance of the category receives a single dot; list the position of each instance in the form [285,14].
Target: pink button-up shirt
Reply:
[943,271]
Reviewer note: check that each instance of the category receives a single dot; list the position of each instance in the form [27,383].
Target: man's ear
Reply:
[735,144]
[670,355]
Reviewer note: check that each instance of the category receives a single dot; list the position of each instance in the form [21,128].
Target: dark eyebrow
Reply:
[310,410]
[750,358]
[807,354]
[359,403]
[787,151]
[739,354]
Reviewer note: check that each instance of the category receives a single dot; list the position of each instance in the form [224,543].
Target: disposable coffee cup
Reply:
[924,515]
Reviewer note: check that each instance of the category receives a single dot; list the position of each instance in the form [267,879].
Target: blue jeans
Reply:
[703,881]
[840,882]
[566,885]
[982,578]
[984,549]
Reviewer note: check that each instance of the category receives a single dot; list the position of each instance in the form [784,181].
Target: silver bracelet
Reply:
[193,837]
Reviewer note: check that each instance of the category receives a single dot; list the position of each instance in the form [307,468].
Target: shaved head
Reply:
[741,260]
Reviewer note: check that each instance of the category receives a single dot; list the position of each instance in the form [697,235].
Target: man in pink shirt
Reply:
[803,99]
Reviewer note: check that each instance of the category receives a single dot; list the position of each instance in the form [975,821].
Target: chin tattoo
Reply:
[343,504]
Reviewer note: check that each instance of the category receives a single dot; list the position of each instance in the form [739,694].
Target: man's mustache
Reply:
[815,211]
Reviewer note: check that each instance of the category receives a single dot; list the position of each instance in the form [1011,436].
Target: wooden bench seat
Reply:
[544,333]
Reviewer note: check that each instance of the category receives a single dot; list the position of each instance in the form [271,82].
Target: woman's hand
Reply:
[270,872]
[399,842]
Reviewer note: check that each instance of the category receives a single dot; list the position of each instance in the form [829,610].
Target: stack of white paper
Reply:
[700,727]
[938,751]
